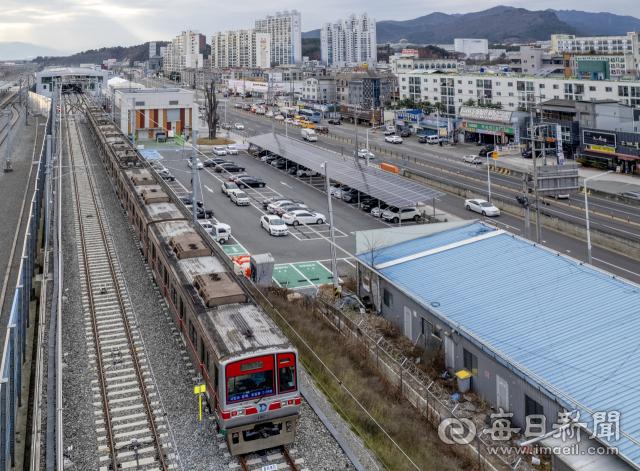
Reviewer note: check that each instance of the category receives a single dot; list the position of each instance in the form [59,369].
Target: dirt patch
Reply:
[219,141]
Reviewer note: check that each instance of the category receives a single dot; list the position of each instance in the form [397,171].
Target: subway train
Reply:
[249,366]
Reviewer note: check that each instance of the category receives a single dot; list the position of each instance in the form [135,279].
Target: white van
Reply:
[433,139]
[309,135]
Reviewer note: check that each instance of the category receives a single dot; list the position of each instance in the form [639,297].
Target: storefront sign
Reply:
[633,144]
[599,138]
[486,128]
[485,114]
[410,51]
[516,134]
[399,122]
[442,131]
[601,148]
[413,116]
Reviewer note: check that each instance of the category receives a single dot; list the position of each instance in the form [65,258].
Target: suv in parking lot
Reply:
[394,215]
[229,187]
[306,172]
[220,150]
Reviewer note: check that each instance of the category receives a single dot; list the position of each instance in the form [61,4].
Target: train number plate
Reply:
[271,467]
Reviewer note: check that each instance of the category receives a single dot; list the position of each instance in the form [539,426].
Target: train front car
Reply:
[260,400]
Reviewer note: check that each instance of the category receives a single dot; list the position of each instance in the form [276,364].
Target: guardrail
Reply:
[14,351]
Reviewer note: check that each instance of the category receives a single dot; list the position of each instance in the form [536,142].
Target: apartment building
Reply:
[319,89]
[511,92]
[350,42]
[284,30]
[410,60]
[241,48]
[365,89]
[185,51]
[627,46]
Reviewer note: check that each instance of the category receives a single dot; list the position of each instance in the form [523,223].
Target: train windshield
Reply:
[286,372]
[249,379]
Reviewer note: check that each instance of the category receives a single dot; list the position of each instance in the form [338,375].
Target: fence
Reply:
[39,104]
[14,351]
[429,399]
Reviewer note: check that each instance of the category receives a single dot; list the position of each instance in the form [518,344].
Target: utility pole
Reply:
[7,163]
[133,124]
[334,263]
[488,174]
[525,192]
[194,176]
[47,193]
[355,126]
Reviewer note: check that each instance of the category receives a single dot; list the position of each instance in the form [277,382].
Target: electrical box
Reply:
[262,269]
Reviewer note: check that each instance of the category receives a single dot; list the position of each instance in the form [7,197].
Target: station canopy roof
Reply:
[388,187]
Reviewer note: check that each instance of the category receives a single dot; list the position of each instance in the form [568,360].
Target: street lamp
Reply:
[368,129]
[586,208]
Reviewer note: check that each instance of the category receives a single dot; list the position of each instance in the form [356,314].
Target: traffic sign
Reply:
[495,156]
[199,390]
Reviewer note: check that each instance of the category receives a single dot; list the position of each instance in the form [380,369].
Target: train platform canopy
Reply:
[564,326]
[388,187]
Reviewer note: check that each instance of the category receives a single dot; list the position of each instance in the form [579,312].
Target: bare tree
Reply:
[211,115]
[375,244]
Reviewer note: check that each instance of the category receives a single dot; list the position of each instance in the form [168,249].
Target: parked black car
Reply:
[351,196]
[280,163]
[373,203]
[405,133]
[203,213]
[292,170]
[215,162]
[229,168]
[334,121]
[187,201]
[250,182]
[166,175]
[422,139]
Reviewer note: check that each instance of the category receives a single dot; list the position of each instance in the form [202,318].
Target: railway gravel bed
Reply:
[170,367]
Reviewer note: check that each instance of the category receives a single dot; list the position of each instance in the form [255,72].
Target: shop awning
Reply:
[613,154]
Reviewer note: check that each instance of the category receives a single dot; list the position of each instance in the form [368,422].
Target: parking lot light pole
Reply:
[7,163]
[488,178]
[334,263]
[586,209]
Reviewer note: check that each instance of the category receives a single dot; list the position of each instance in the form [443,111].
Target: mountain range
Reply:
[499,25]
[13,50]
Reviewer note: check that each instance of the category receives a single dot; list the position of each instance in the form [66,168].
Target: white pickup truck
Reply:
[309,135]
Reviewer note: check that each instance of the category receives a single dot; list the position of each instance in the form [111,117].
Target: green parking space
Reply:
[288,277]
[315,272]
[236,250]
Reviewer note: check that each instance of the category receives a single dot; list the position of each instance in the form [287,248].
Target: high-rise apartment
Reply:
[242,48]
[625,46]
[185,51]
[349,42]
[284,30]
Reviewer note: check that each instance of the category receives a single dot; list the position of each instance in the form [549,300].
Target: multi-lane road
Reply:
[441,163]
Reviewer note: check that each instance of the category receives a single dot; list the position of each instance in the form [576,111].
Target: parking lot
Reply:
[302,257]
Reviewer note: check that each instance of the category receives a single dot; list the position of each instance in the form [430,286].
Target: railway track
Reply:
[16,116]
[276,459]
[128,422]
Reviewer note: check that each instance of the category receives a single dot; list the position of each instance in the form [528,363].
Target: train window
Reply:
[173,295]
[286,373]
[153,251]
[193,336]
[182,309]
[257,382]
[166,277]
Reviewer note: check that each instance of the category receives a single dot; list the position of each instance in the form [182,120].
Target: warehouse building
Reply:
[94,80]
[539,332]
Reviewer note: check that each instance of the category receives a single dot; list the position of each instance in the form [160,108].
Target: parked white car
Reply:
[393,139]
[472,159]
[288,121]
[207,225]
[298,216]
[269,114]
[481,206]
[273,225]
[199,165]
[231,149]
[239,126]
[240,198]
[229,187]
[363,153]
[220,150]
[307,172]
[394,215]
[279,117]
[274,206]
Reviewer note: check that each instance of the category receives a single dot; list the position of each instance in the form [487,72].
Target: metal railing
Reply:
[14,351]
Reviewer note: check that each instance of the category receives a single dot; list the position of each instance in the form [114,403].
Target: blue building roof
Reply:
[569,327]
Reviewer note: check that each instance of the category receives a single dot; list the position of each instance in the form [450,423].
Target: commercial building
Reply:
[158,110]
[350,42]
[285,34]
[365,89]
[152,49]
[627,46]
[409,60]
[470,47]
[185,50]
[93,81]
[241,48]
[526,346]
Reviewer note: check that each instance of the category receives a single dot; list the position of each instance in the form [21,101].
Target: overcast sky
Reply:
[76,25]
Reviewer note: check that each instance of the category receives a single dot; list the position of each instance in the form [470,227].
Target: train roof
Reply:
[242,328]
[192,267]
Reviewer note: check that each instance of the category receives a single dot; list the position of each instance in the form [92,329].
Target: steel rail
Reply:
[125,320]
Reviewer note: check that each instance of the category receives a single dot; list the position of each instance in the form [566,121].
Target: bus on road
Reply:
[311,115]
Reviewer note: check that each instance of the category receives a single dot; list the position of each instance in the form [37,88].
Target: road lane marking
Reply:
[619,268]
